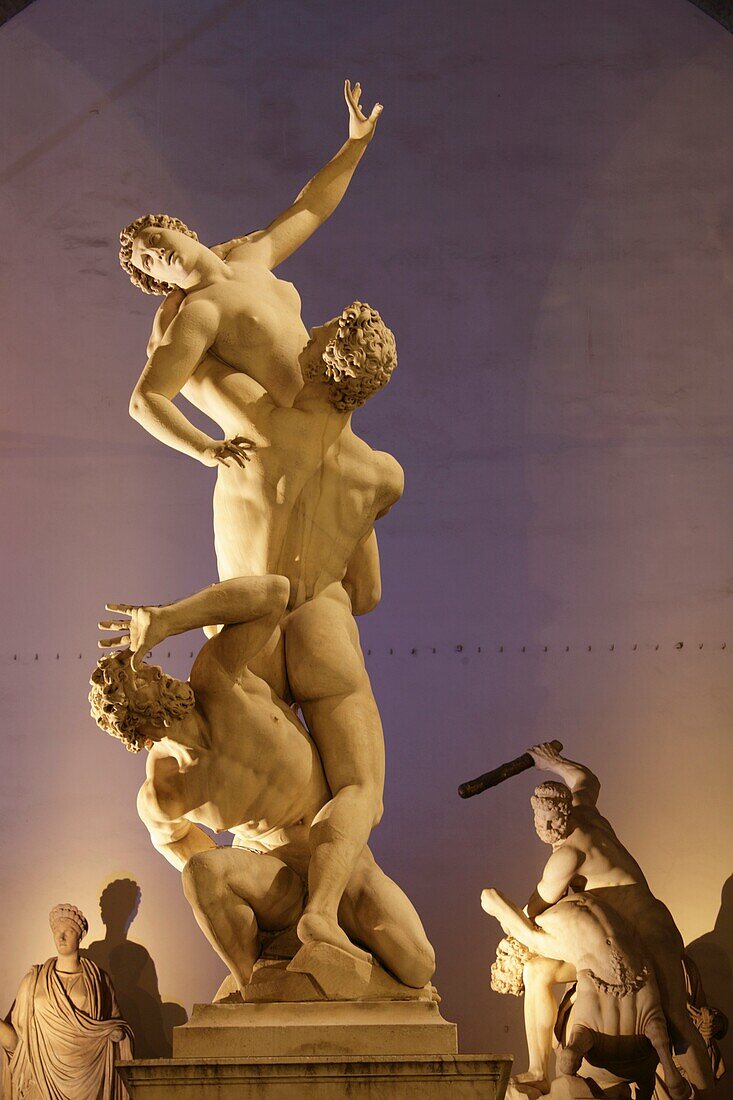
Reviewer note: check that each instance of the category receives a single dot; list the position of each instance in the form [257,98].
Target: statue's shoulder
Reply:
[94,971]
[392,476]
[27,983]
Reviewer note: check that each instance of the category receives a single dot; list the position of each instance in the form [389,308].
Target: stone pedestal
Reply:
[447,1077]
[334,1032]
[322,1028]
[318,1050]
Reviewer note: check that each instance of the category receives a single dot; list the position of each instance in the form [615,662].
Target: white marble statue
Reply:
[616,1010]
[588,857]
[64,1030]
[304,502]
[226,752]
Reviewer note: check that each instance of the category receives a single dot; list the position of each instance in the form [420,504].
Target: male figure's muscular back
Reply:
[310,494]
[593,854]
[240,762]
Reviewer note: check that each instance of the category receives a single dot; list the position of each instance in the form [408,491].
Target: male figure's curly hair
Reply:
[552,795]
[119,715]
[359,360]
[507,972]
[127,236]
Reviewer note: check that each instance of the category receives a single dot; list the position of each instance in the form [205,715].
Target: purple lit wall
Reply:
[544,219]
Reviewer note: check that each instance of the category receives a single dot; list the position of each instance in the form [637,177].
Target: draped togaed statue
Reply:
[64,1031]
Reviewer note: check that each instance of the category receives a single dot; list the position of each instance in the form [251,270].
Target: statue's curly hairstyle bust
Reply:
[360,358]
[507,973]
[65,911]
[148,221]
[118,713]
[555,796]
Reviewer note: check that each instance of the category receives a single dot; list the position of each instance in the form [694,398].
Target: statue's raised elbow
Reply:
[138,406]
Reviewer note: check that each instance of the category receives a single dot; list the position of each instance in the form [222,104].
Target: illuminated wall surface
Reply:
[545,220]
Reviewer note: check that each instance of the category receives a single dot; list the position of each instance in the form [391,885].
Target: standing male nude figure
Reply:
[311,494]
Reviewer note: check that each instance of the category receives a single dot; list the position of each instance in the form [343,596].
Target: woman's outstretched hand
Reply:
[224,452]
[361,128]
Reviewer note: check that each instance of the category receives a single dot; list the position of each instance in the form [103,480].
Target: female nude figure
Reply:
[225,301]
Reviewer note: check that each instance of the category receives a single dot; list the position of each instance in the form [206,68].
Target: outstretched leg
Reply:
[540,974]
[540,1010]
[375,912]
[330,682]
[235,893]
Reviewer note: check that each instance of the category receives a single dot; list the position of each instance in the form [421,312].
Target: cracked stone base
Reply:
[447,1077]
[319,1027]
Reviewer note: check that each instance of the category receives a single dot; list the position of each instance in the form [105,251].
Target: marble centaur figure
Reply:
[64,1031]
[227,752]
[297,492]
[593,921]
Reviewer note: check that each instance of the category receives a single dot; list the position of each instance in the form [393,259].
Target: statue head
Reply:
[157,252]
[68,927]
[134,703]
[507,972]
[552,803]
[354,354]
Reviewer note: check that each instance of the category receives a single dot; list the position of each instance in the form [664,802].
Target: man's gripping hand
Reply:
[144,628]
[545,756]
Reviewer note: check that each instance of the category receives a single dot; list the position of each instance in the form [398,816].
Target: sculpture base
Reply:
[319,1026]
[323,1028]
[447,1077]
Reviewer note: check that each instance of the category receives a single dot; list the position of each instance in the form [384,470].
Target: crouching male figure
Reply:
[225,751]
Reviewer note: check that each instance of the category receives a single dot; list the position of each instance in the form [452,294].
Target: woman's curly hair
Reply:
[119,714]
[127,236]
[359,360]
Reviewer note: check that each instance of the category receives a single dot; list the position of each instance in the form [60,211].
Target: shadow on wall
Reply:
[133,973]
[713,957]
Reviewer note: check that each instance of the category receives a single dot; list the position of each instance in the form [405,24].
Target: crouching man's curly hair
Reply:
[507,973]
[359,360]
[148,221]
[119,713]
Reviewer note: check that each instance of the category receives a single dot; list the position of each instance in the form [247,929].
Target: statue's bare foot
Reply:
[314,928]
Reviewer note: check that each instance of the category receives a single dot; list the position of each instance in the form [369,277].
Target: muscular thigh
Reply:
[273,890]
[322,649]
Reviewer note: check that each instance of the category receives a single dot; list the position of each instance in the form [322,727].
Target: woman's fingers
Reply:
[109,643]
